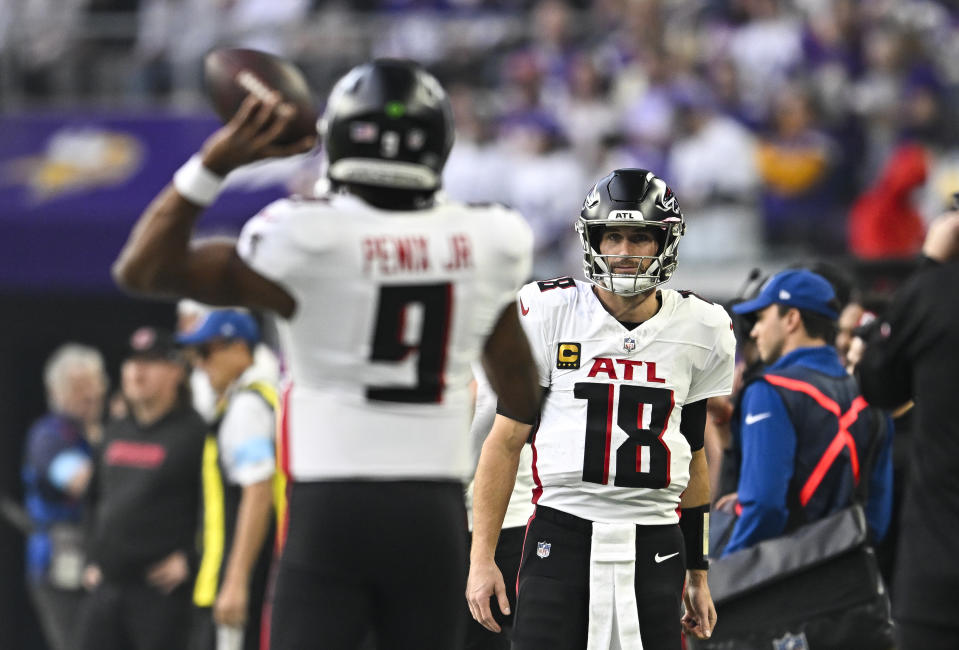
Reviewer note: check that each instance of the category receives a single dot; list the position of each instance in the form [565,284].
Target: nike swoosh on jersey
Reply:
[523,308]
[662,558]
[753,418]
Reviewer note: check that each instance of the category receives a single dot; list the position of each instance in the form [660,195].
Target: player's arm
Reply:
[158,258]
[510,369]
[252,525]
[495,477]
[245,440]
[768,465]
[700,616]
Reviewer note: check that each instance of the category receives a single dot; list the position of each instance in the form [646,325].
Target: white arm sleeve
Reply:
[246,439]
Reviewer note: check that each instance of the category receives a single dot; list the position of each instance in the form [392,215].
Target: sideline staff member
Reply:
[805,428]
[913,353]
[147,489]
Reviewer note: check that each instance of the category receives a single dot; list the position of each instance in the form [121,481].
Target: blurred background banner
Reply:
[73,183]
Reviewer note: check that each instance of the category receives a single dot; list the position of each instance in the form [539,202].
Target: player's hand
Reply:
[486,581]
[167,574]
[251,135]
[92,577]
[942,240]
[727,502]
[857,347]
[231,604]
[700,616]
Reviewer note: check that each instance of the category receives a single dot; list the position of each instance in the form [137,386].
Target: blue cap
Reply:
[801,289]
[223,324]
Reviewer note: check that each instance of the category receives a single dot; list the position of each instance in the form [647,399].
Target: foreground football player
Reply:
[385,296]
[619,447]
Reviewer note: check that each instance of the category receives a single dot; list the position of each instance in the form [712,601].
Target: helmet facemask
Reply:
[652,270]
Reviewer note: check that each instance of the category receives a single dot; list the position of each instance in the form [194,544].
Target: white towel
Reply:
[613,619]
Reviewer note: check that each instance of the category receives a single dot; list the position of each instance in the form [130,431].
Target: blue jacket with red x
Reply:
[805,433]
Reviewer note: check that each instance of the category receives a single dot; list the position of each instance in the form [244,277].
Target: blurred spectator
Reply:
[542,180]
[913,353]
[804,425]
[765,50]
[172,37]
[56,472]
[832,53]
[794,161]
[43,35]
[238,477]
[142,552]
[473,172]
[584,111]
[265,25]
[713,167]
[884,221]
[552,45]
[647,120]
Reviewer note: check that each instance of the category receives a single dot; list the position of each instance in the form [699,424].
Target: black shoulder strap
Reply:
[861,493]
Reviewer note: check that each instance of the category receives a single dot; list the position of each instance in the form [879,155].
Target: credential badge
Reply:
[542,549]
[791,642]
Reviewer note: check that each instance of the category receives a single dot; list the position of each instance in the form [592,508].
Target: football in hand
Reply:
[232,74]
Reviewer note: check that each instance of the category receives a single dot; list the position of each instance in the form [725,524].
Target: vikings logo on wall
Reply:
[542,549]
[76,159]
[629,344]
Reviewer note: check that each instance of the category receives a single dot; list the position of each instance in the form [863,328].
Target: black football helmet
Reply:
[631,197]
[387,123]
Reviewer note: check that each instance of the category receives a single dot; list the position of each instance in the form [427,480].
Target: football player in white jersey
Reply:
[618,448]
[385,295]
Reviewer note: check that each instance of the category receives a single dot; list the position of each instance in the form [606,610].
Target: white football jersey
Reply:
[392,307]
[609,447]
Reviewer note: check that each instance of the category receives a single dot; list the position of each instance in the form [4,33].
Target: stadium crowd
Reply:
[823,129]
[807,126]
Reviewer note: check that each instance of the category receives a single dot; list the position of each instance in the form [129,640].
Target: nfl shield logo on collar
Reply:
[542,549]
[791,642]
[629,344]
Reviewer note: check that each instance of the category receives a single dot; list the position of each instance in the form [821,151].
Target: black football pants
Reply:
[383,555]
[552,612]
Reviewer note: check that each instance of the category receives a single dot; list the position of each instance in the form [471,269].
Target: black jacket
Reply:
[148,491]
[913,353]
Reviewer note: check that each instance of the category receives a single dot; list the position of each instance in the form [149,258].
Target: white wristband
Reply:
[196,183]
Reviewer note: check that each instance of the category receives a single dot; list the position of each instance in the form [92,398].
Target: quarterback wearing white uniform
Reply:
[618,447]
[385,295]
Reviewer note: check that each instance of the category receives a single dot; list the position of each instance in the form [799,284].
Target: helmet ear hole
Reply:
[596,235]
